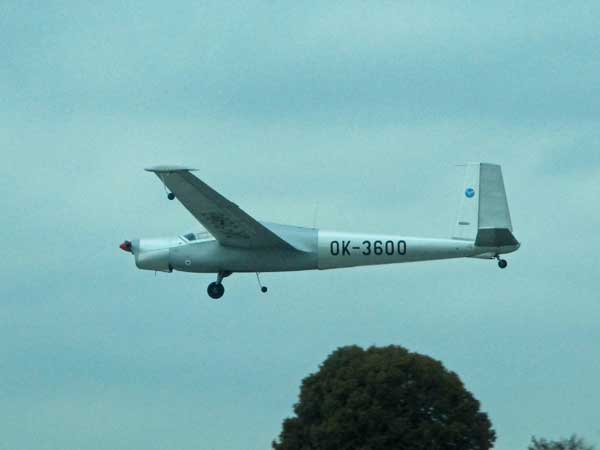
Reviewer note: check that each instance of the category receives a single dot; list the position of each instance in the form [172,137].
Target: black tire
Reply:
[171,196]
[502,263]
[215,290]
[263,289]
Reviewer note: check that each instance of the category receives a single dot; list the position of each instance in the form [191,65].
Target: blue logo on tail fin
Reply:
[470,192]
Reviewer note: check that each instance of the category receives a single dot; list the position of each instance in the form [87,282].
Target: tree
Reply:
[572,443]
[384,398]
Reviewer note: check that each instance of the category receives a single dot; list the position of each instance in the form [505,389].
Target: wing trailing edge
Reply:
[169,168]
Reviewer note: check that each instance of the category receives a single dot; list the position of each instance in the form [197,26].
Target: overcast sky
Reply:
[358,111]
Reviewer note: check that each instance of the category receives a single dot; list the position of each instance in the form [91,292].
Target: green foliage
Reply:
[384,398]
[572,443]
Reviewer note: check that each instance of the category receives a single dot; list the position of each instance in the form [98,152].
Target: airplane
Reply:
[232,241]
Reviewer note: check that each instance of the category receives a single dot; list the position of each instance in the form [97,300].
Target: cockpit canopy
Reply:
[200,236]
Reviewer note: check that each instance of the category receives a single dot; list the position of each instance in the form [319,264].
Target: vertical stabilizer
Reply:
[468,213]
[484,216]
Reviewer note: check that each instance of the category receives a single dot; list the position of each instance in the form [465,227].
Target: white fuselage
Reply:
[316,249]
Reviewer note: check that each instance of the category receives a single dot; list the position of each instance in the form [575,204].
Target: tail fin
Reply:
[468,214]
[484,216]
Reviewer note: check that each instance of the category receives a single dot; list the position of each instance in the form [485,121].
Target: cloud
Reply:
[384,64]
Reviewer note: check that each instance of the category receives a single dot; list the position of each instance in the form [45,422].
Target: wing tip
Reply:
[169,168]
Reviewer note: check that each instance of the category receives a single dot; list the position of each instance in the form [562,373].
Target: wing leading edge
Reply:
[223,219]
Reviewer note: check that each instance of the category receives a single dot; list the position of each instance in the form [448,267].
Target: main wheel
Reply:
[215,290]
[502,263]
[171,196]
[263,289]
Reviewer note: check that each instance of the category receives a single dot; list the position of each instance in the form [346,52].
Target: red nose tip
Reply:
[126,246]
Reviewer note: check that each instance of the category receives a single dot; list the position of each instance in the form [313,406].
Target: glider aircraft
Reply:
[232,241]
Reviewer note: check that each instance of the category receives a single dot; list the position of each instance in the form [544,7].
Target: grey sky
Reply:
[363,108]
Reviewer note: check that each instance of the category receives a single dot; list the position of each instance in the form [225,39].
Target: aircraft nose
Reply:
[152,254]
[126,246]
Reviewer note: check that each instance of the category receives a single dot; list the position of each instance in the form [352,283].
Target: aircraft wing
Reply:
[223,219]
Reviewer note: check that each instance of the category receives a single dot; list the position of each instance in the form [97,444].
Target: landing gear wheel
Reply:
[502,263]
[215,290]
[264,289]
[171,196]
